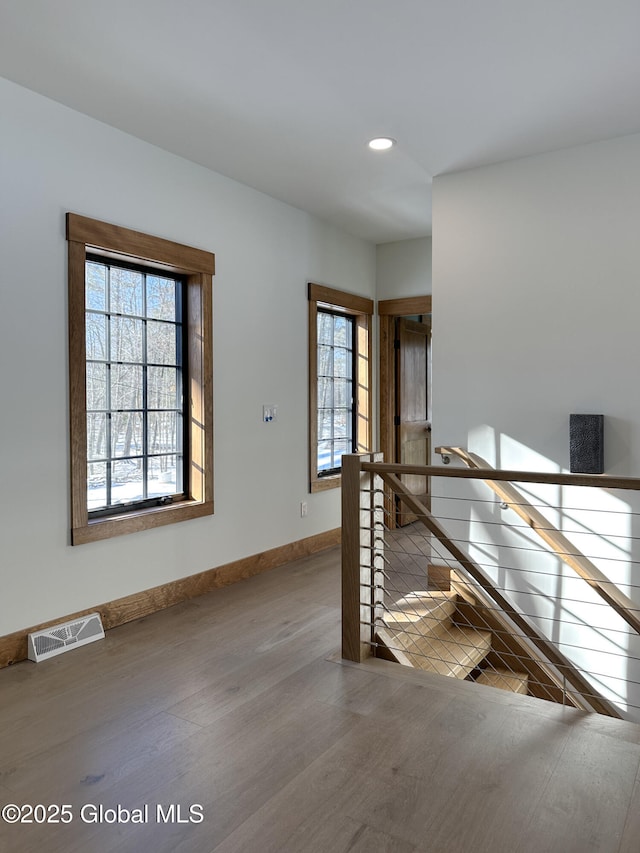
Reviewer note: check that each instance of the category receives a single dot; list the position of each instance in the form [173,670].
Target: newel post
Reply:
[362,554]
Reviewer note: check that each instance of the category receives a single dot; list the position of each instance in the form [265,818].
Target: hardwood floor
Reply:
[237,702]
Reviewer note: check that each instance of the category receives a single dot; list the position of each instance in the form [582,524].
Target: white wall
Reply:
[403,268]
[54,160]
[536,269]
[536,282]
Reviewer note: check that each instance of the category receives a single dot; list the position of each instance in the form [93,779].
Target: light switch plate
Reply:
[269,413]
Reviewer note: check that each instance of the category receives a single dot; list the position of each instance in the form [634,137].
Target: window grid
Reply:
[335,377]
[111,459]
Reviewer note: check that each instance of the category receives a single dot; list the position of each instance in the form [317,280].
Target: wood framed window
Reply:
[140,380]
[340,399]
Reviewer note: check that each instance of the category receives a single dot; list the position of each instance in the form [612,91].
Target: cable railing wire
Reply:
[515,548]
[406,558]
[524,503]
[525,572]
[606,537]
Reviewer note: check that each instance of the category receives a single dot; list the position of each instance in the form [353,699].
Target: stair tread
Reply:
[451,650]
[505,679]
[387,639]
[428,608]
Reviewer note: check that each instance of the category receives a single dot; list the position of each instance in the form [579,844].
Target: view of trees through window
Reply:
[335,389]
[135,429]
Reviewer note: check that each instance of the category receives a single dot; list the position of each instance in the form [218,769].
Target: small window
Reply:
[339,381]
[140,380]
[336,409]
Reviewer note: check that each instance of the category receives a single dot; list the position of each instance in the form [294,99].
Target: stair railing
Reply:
[513,499]
[366,563]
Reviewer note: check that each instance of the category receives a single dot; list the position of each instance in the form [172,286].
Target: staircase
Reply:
[455,618]
[426,630]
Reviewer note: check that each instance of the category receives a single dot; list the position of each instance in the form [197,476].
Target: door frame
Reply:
[388,311]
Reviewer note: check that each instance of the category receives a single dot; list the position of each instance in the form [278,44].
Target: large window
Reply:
[140,380]
[339,381]
[135,379]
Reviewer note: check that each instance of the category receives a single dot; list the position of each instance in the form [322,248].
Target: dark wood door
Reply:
[413,427]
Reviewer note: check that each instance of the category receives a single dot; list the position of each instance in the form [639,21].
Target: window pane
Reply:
[161,298]
[340,447]
[164,432]
[342,393]
[325,361]
[164,476]
[126,339]
[126,481]
[325,328]
[126,434]
[161,343]
[96,485]
[95,288]
[162,388]
[341,331]
[126,291]
[325,424]
[330,453]
[96,386]
[96,325]
[96,436]
[342,423]
[325,458]
[325,393]
[126,386]
[342,362]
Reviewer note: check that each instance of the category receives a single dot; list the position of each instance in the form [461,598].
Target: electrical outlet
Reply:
[303,509]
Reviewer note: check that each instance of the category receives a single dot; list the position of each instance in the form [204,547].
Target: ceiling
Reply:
[283,95]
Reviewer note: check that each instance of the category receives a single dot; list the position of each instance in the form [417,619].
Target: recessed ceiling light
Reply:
[382,143]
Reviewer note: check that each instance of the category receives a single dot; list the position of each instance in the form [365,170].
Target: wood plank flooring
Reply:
[237,701]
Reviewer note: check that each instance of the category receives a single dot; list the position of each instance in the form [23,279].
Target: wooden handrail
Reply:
[548,649]
[554,538]
[600,481]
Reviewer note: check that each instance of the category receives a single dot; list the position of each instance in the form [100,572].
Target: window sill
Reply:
[146,519]
[323,484]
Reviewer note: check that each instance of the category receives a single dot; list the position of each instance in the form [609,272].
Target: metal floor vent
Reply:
[64,637]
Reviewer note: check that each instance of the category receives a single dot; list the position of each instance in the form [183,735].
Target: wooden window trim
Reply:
[361,309]
[198,267]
